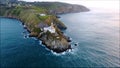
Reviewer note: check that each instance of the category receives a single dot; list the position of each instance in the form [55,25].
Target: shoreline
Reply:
[43,41]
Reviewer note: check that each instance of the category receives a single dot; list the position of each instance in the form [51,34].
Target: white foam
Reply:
[40,42]
[34,38]
[58,54]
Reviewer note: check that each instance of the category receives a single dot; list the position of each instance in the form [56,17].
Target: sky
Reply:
[107,4]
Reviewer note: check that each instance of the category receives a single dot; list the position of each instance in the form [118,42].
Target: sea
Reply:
[95,33]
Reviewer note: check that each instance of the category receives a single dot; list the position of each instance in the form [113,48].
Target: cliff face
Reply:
[38,18]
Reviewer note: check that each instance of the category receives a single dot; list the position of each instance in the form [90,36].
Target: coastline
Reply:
[43,41]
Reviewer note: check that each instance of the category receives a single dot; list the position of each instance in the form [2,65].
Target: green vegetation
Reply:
[16,11]
[39,9]
[37,30]
[43,18]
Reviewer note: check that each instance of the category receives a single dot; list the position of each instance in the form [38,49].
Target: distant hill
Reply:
[52,7]
[60,8]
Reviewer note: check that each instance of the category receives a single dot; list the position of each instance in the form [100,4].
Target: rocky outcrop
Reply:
[56,44]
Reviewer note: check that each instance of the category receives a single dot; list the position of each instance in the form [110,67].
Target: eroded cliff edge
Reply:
[39,18]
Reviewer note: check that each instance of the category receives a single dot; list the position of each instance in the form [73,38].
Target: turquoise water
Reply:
[96,33]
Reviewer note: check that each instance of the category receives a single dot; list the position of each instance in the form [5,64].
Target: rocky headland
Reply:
[39,18]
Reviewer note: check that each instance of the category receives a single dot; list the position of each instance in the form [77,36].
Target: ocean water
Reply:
[96,33]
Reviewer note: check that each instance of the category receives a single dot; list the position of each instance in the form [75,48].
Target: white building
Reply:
[50,28]
[42,14]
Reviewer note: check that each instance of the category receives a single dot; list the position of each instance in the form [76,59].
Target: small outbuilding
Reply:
[42,14]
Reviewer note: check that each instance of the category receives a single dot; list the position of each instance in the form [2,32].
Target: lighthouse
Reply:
[50,28]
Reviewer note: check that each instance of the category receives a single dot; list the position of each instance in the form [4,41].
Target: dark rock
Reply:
[57,16]
[33,34]
[76,44]
[25,36]
[69,39]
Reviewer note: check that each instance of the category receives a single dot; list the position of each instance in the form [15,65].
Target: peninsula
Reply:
[40,19]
